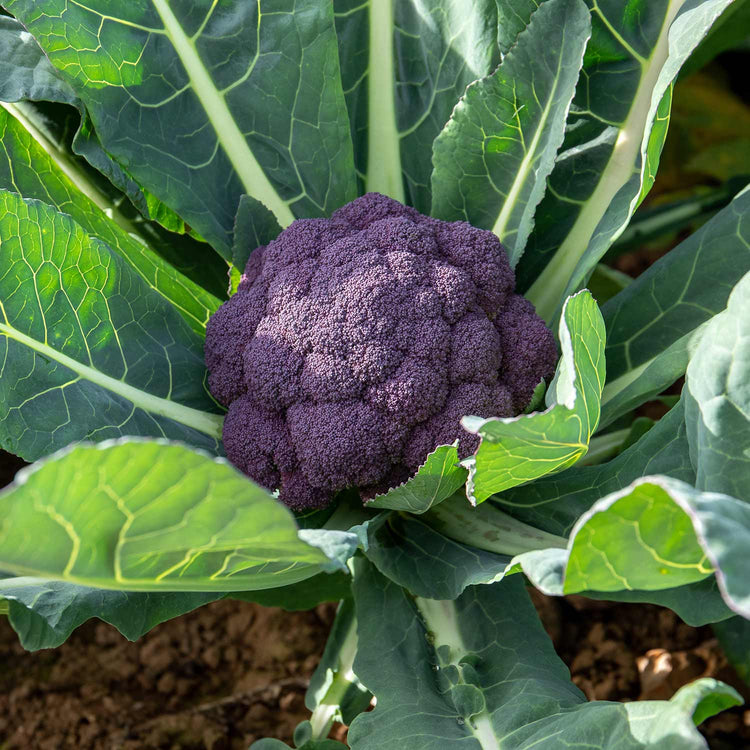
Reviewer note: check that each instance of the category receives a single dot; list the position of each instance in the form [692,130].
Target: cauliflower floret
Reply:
[355,344]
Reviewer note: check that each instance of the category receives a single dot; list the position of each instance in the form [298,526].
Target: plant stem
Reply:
[327,709]
[603,447]
[487,527]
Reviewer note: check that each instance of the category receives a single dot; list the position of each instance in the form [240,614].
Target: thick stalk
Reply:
[487,527]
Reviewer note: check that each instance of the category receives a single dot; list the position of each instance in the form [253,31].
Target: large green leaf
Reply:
[44,612]
[87,350]
[33,167]
[609,154]
[204,102]
[480,672]
[493,157]
[27,74]
[654,323]
[520,449]
[140,516]
[657,533]
[404,64]
[717,400]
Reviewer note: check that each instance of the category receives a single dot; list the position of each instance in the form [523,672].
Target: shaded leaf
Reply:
[609,154]
[198,108]
[45,612]
[655,323]
[404,64]
[481,672]
[717,399]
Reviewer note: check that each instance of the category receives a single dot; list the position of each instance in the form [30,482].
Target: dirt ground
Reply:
[232,672]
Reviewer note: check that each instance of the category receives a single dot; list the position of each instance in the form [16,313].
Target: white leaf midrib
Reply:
[217,111]
[205,422]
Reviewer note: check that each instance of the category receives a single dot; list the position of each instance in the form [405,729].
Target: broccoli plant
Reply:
[259,338]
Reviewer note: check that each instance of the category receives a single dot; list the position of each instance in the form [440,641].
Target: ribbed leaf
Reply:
[139,516]
[87,350]
[520,449]
[609,153]
[48,175]
[493,157]
[405,63]
[654,323]
[204,102]
[657,533]
[481,672]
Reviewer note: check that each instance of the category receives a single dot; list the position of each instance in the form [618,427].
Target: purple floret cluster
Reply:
[355,344]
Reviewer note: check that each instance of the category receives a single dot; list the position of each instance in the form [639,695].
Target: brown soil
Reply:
[232,672]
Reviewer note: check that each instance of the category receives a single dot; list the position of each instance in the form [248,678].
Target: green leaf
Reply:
[437,479]
[404,65]
[481,672]
[717,399]
[705,698]
[730,30]
[734,637]
[657,533]
[141,516]
[609,154]
[32,166]
[493,157]
[27,74]
[654,323]
[404,548]
[44,612]
[254,226]
[87,350]
[205,103]
[513,18]
[307,594]
[520,449]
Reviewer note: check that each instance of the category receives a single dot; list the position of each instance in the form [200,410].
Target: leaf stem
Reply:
[328,708]
[488,528]
[383,144]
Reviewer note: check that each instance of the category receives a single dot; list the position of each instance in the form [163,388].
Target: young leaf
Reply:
[481,672]
[44,612]
[205,103]
[437,479]
[493,157]
[33,167]
[404,64]
[87,349]
[520,449]
[717,399]
[140,516]
[609,154]
[653,324]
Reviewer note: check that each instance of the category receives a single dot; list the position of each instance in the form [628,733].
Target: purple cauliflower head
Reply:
[355,344]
